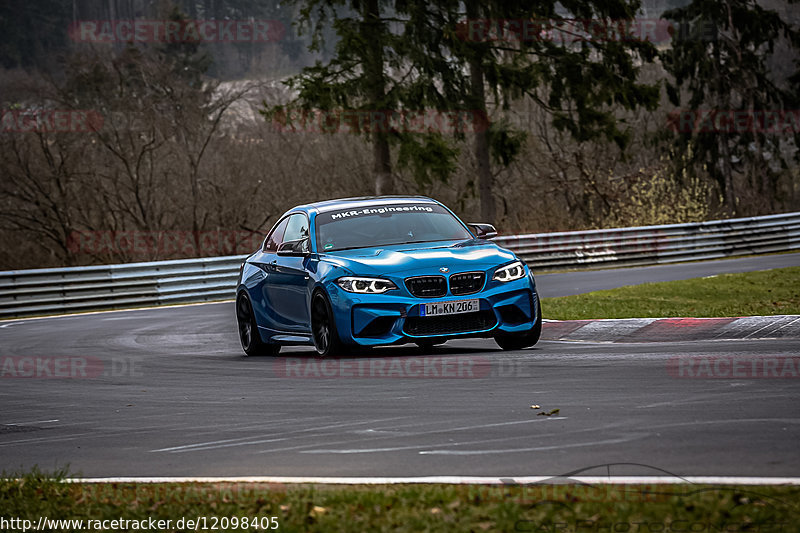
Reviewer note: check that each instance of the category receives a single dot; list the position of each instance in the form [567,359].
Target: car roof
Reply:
[362,201]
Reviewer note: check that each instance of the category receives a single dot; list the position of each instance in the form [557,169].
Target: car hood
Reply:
[425,258]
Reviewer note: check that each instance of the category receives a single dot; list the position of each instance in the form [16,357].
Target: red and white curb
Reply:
[673,329]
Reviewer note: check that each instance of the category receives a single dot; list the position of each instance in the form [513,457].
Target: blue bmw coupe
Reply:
[362,272]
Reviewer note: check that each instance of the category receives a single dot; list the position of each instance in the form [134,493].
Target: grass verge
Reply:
[540,508]
[769,292]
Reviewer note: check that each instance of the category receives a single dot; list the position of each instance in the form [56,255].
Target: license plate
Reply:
[450,308]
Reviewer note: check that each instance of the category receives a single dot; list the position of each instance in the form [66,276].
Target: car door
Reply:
[288,281]
[266,260]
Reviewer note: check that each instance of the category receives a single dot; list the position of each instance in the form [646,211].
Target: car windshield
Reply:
[385,225]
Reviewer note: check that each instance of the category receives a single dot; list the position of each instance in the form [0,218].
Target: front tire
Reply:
[518,341]
[248,330]
[323,327]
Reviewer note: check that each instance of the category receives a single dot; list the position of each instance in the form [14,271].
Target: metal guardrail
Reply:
[66,290]
[69,290]
[649,245]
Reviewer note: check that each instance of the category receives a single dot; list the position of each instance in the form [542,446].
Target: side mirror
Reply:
[297,248]
[483,231]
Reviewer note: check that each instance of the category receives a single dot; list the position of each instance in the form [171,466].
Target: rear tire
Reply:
[248,330]
[323,327]
[518,341]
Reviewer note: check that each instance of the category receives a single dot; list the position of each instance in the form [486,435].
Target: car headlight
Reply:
[515,270]
[365,285]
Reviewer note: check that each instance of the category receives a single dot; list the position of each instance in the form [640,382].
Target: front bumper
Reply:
[382,319]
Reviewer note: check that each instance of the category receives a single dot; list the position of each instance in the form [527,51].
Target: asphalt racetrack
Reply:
[168,392]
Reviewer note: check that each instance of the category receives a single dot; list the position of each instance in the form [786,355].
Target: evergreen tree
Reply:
[379,67]
[415,54]
[572,59]
[33,34]
[736,121]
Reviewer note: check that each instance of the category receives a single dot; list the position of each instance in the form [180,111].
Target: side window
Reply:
[297,228]
[276,236]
